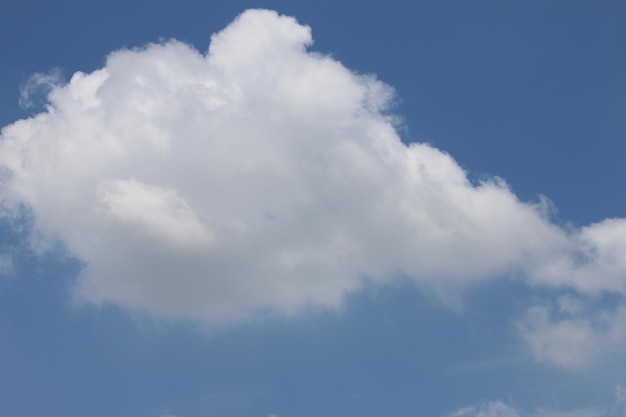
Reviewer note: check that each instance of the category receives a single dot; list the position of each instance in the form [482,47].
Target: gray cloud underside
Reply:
[261,177]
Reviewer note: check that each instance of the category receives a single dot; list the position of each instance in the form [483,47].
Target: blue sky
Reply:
[419,213]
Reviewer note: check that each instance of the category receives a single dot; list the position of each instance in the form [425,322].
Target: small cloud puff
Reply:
[34,91]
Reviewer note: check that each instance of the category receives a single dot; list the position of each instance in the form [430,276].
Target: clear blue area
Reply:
[532,91]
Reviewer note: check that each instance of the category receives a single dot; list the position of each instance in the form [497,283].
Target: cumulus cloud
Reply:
[260,177]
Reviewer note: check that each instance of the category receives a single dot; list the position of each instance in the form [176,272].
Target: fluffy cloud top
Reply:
[263,178]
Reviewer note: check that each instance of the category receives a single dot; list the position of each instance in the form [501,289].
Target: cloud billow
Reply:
[263,178]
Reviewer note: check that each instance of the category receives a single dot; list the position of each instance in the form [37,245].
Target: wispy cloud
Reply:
[503,409]
[6,263]
[574,341]
[487,409]
[34,91]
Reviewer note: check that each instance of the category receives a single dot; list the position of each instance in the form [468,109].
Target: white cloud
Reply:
[487,409]
[594,263]
[263,178]
[154,209]
[573,341]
